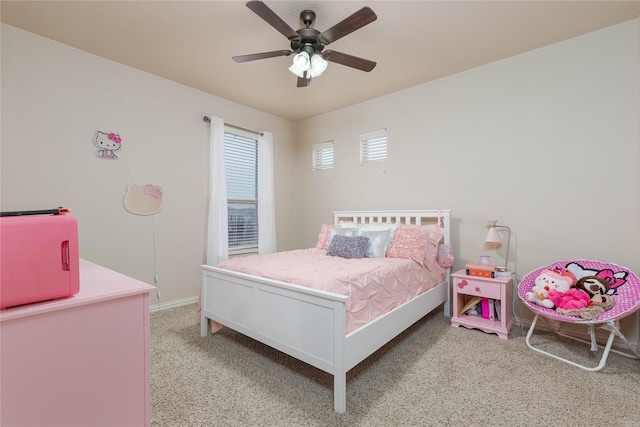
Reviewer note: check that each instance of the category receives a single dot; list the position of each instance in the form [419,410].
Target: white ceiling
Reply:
[413,42]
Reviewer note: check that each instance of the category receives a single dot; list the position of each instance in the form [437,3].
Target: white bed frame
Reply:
[310,324]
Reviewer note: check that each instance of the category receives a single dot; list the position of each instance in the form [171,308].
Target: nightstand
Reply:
[497,290]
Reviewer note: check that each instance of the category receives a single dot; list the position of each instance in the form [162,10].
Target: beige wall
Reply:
[55,97]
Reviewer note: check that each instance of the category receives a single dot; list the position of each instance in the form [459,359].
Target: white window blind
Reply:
[373,146]
[322,156]
[241,163]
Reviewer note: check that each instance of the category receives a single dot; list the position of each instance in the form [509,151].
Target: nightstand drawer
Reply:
[478,288]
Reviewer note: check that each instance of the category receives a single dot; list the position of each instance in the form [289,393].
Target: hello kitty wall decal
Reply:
[143,199]
[108,143]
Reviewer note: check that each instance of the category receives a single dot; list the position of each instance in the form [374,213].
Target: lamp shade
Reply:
[493,236]
[318,65]
[301,63]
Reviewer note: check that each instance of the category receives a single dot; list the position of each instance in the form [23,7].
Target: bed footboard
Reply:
[306,324]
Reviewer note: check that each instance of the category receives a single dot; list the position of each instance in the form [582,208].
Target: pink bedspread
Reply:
[374,286]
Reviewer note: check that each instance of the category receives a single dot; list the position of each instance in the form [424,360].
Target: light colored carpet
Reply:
[431,375]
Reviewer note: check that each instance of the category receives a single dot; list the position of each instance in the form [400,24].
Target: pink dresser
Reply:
[78,361]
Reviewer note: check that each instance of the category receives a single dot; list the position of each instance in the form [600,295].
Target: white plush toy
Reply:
[546,281]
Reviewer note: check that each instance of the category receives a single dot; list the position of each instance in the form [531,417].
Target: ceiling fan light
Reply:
[297,71]
[318,65]
[301,61]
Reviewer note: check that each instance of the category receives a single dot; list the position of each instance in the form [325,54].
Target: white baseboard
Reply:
[173,304]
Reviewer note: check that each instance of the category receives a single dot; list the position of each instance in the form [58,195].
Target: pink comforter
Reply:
[374,286]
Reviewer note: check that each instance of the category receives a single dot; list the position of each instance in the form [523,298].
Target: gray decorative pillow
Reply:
[348,246]
[378,241]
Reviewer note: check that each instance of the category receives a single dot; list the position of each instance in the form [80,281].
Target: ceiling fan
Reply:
[308,44]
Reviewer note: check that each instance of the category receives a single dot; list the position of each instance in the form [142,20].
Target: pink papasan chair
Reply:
[624,289]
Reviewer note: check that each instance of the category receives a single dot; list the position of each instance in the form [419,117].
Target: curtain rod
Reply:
[206,119]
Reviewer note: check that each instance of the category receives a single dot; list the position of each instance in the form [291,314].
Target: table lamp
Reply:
[494,237]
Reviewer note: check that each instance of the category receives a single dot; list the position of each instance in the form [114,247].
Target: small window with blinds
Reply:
[322,156]
[373,146]
[241,163]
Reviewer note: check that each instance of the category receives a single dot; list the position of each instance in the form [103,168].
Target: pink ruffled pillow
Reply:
[325,236]
[417,242]
[410,242]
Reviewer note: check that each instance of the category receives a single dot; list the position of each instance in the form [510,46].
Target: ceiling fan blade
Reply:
[349,60]
[263,11]
[263,55]
[347,26]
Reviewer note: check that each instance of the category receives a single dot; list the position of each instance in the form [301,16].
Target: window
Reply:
[373,146]
[322,156]
[241,163]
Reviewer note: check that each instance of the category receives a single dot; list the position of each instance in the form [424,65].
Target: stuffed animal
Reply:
[599,304]
[573,299]
[559,280]
[593,285]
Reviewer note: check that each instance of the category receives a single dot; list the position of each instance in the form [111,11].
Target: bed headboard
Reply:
[398,217]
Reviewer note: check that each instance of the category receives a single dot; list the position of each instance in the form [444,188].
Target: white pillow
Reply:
[378,243]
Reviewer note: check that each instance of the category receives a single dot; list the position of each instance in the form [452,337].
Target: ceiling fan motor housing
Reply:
[308,41]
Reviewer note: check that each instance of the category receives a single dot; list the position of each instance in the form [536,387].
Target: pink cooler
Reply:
[39,258]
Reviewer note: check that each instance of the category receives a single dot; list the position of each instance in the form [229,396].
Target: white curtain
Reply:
[217,226]
[266,203]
